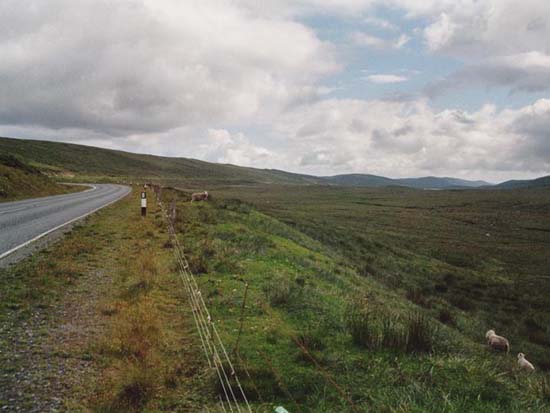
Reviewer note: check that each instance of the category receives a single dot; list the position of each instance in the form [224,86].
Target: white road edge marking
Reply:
[5,254]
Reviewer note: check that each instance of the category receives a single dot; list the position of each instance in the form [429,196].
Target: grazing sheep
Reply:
[497,342]
[199,196]
[524,364]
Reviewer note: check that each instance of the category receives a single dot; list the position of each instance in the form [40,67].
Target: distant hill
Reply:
[20,180]
[359,180]
[56,158]
[528,183]
[428,182]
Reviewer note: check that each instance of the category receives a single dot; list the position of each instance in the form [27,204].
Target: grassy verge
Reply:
[98,322]
[149,349]
[317,336]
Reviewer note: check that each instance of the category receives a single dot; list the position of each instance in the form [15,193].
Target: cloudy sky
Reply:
[391,87]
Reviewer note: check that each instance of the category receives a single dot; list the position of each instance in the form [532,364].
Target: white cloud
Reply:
[288,8]
[223,147]
[386,78]
[401,41]
[479,29]
[247,82]
[133,67]
[413,139]
[502,42]
[368,40]
[380,23]
[438,34]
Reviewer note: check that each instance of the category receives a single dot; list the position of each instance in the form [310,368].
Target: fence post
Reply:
[143,203]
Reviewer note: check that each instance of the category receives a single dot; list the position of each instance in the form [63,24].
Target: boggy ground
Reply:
[98,322]
[474,259]
[318,335]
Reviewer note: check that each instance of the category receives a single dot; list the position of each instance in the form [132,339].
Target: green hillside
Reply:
[319,335]
[541,182]
[90,163]
[358,299]
[360,180]
[87,161]
[473,259]
[19,180]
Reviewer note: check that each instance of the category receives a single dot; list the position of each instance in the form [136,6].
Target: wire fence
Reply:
[232,397]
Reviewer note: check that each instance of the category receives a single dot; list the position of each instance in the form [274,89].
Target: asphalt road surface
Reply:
[23,222]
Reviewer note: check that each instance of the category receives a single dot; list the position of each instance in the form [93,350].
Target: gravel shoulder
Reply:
[63,313]
[50,317]
[47,357]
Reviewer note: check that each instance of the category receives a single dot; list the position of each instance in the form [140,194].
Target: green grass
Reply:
[86,163]
[298,343]
[473,259]
[378,296]
[19,180]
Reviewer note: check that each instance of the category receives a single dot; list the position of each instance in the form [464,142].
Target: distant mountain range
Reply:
[427,182]
[530,183]
[65,159]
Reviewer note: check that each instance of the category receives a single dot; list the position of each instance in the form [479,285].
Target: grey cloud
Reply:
[185,78]
[405,130]
[534,128]
[310,159]
[131,67]
[528,72]
[358,126]
[401,138]
[480,29]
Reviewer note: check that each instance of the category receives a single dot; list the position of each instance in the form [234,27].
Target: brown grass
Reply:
[134,340]
[143,344]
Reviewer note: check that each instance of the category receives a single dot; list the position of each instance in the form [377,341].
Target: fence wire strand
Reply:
[216,354]
[213,346]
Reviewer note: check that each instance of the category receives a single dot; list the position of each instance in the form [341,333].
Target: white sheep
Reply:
[199,196]
[524,364]
[497,342]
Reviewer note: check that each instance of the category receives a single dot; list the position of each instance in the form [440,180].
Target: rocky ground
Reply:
[45,356]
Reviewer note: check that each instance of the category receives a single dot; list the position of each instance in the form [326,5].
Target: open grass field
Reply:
[344,314]
[358,299]
[474,259]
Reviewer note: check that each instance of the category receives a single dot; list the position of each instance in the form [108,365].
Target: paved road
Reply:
[23,222]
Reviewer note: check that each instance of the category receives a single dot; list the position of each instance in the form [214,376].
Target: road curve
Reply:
[23,222]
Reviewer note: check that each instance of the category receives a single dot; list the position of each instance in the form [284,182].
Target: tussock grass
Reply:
[278,291]
[421,333]
[473,259]
[374,328]
[386,352]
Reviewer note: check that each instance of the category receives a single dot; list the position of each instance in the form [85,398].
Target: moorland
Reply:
[329,297]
